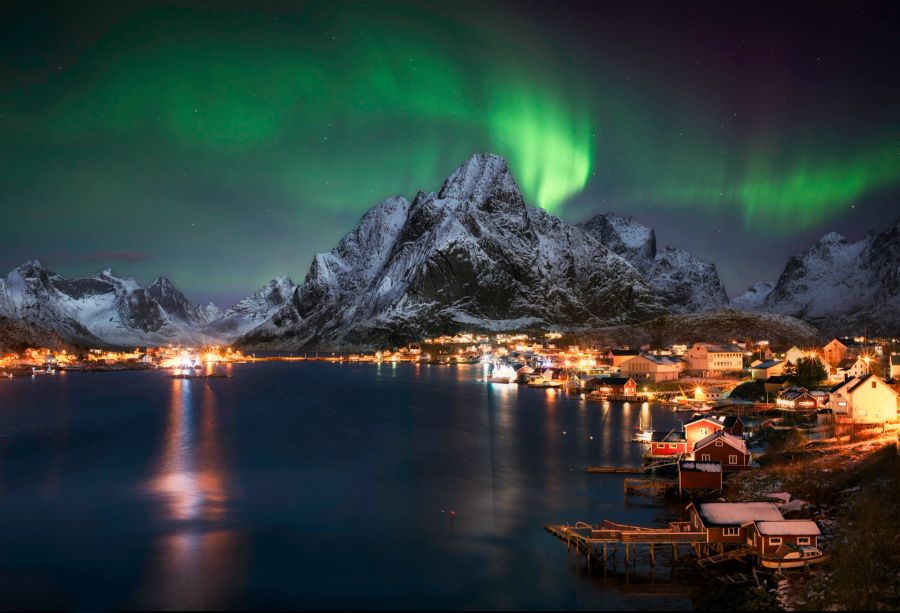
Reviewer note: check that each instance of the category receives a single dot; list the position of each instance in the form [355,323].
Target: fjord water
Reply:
[308,485]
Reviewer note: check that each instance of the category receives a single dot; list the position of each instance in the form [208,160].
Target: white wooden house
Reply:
[866,400]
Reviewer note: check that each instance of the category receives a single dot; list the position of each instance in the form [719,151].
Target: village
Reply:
[747,407]
[774,461]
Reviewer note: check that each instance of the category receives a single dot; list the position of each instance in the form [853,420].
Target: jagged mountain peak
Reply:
[841,286]
[470,255]
[684,283]
[483,178]
[622,234]
[832,238]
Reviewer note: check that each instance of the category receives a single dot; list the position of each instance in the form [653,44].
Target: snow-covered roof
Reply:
[657,359]
[738,513]
[668,437]
[766,364]
[728,438]
[703,467]
[698,418]
[788,527]
[717,348]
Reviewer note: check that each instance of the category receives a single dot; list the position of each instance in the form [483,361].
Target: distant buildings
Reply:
[763,370]
[710,360]
[894,367]
[651,367]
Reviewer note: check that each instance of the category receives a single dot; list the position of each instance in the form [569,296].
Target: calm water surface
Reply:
[308,486]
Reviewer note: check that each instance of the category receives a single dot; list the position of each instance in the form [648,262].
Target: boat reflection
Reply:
[198,562]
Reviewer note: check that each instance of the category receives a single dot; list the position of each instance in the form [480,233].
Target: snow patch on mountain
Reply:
[843,287]
[683,283]
[250,312]
[471,254]
[753,298]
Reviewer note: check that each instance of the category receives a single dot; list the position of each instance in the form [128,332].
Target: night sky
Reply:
[224,144]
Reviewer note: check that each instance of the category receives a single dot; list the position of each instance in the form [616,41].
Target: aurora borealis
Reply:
[223,143]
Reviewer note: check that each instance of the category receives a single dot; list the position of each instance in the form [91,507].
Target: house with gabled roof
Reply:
[865,400]
[699,427]
[894,367]
[726,448]
[785,543]
[763,370]
[651,368]
[724,522]
[852,366]
[672,444]
[796,398]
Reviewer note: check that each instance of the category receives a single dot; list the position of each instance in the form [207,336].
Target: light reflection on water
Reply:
[306,485]
[195,564]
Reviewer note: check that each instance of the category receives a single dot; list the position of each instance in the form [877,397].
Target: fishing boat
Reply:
[41,371]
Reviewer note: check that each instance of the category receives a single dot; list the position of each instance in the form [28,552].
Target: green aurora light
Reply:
[176,123]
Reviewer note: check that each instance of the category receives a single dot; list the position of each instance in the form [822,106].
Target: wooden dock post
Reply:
[652,557]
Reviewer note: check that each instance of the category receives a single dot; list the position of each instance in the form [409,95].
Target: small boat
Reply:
[693,408]
[798,557]
[41,371]
[643,435]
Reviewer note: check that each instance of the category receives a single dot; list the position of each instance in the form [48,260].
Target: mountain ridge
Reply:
[472,255]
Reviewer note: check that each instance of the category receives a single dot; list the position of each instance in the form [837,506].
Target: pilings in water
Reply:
[600,543]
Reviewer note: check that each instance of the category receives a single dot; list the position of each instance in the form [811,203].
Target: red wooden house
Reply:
[699,476]
[615,386]
[725,522]
[787,543]
[699,428]
[725,448]
[670,443]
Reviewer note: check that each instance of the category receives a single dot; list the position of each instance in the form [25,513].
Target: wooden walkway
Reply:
[627,470]
[598,542]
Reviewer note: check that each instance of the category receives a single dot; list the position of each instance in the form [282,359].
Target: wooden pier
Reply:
[626,470]
[597,543]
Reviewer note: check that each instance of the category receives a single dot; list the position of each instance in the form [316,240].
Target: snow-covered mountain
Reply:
[252,311]
[683,283]
[843,287]
[107,311]
[472,255]
[753,298]
[102,310]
